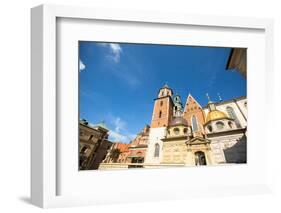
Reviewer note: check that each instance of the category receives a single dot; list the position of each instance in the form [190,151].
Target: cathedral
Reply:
[189,134]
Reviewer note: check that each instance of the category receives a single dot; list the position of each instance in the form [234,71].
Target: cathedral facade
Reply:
[189,134]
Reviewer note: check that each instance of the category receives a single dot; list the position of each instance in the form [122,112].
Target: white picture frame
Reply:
[45,173]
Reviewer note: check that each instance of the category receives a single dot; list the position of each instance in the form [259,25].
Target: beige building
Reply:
[118,153]
[226,127]
[182,146]
[191,135]
[215,134]
[238,60]
[195,135]
[93,145]
[138,147]
[131,155]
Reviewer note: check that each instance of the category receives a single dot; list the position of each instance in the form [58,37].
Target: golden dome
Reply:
[215,115]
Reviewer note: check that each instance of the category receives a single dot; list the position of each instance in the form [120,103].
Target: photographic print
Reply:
[160,106]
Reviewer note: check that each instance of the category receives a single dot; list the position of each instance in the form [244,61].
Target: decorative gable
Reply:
[194,115]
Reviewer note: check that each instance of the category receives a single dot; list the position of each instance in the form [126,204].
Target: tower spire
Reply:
[166,84]
[209,99]
[211,105]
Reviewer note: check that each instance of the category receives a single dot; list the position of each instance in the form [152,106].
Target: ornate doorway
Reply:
[200,158]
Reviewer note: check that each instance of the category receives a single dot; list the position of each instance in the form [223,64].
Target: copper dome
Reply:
[178,121]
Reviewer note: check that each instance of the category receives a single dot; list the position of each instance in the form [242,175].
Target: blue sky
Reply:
[118,82]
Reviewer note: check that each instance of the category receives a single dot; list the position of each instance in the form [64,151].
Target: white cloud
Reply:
[81,65]
[123,71]
[119,124]
[115,51]
[118,137]
[119,133]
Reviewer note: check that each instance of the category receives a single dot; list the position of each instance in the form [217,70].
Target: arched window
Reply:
[160,114]
[156,150]
[232,115]
[185,131]
[219,125]
[176,131]
[161,103]
[210,128]
[194,124]
[84,149]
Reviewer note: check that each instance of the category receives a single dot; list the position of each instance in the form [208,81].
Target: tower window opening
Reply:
[160,114]
[161,103]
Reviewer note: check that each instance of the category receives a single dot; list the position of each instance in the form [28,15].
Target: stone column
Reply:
[209,155]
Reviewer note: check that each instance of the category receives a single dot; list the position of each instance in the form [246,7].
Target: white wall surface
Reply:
[15,104]
[237,112]
[243,107]
[155,136]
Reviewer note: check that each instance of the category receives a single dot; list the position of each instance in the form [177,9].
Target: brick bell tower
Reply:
[163,108]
